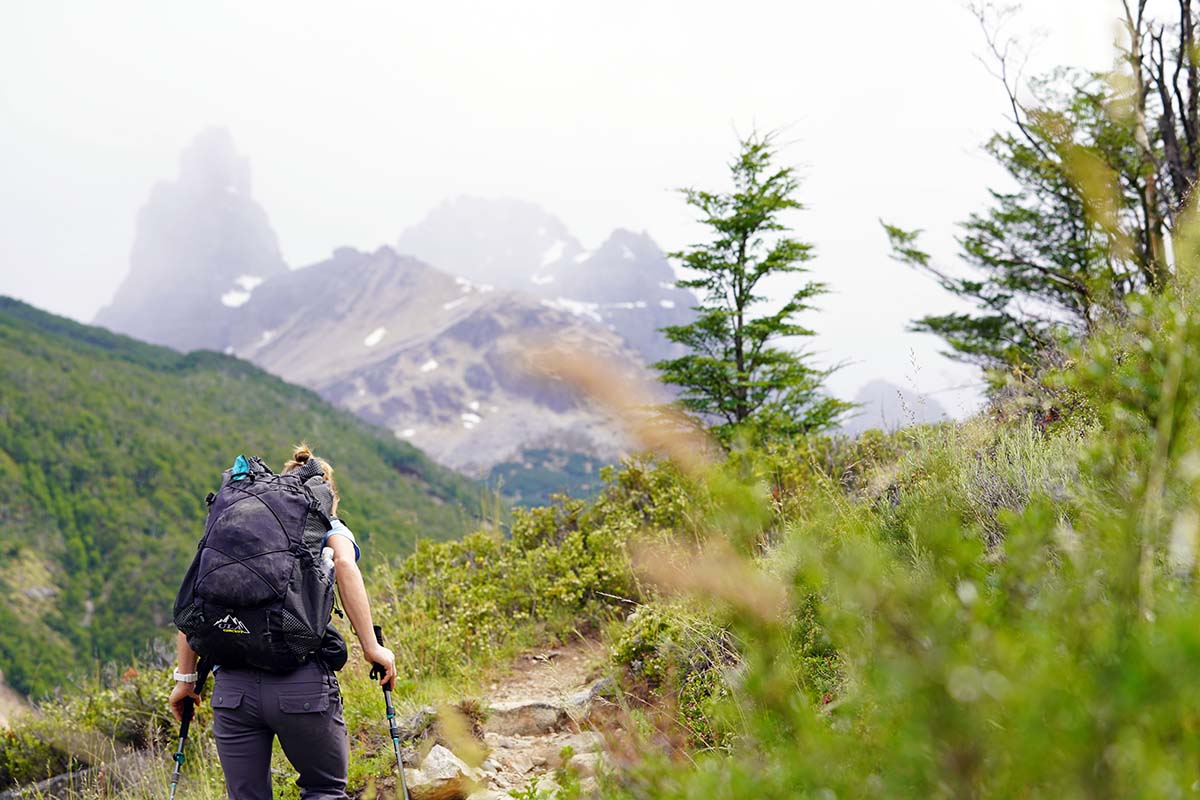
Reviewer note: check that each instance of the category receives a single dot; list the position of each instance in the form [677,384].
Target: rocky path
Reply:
[547,701]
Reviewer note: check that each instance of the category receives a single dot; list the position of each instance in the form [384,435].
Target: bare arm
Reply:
[187,659]
[358,608]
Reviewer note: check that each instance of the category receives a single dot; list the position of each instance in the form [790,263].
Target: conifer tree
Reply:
[1102,168]
[735,375]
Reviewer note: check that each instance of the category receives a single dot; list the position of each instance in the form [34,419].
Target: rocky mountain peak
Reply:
[626,284]
[496,241]
[211,165]
[430,338]
[201,247]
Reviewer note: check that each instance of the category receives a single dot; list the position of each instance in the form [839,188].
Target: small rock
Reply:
[486,794]
[525,718]
[585,742]
[579,703]
[518,762]
[496,740]
[418,724]
[441,764]
[586,763]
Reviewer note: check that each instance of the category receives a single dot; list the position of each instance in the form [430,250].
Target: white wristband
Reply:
[188,678]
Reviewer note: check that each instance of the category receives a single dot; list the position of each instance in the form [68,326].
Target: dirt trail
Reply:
[554,673]
[537,707]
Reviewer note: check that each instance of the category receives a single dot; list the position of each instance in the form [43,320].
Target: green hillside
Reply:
[107,449]
[536,475]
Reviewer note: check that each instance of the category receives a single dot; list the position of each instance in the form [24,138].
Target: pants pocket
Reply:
[223,697]
[309,702]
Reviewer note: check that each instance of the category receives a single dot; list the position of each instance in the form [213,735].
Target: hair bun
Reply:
[302,454]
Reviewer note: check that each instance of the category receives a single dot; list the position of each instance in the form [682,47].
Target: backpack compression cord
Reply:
[189,712]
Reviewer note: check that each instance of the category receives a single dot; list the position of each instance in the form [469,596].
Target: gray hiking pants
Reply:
[303,708]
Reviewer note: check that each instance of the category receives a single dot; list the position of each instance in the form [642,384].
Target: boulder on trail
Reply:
[525,718]
[442,776]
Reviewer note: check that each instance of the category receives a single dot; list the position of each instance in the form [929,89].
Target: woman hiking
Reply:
[301,705]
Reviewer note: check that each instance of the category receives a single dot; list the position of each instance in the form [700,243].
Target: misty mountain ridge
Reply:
[626,284]
[201,245]
[438,360]
[888,407]
[431,346]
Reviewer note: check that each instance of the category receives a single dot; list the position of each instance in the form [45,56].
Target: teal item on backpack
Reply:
[241,469]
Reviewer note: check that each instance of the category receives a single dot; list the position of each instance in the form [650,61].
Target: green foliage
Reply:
[995,608]
[456,603]
[131,712]
[539,474]
[671,652]
[89,726]
[109,447]
[734,375]
[26,756]
[569,784]
[529,791]
[1102,170]
[1000,610]
[1044,267]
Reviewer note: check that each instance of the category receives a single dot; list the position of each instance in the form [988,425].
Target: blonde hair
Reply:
[302,455]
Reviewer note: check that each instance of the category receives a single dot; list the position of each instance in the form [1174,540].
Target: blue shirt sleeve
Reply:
[339,529]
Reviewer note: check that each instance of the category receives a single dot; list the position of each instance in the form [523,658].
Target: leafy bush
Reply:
[26,755]
[457,603]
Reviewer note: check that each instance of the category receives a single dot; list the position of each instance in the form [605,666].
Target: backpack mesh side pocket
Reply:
[299,637]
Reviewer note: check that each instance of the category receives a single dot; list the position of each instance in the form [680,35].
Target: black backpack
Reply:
[256,594]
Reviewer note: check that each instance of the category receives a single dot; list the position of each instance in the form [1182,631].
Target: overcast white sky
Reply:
[359,117]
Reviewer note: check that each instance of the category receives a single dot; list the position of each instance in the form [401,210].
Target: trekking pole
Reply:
[189,711]
[377,672]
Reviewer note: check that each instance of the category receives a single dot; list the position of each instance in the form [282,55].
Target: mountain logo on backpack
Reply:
[231,624]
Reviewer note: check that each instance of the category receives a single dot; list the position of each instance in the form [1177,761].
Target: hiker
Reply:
[264,689]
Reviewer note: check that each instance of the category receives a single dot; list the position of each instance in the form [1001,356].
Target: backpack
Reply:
[256,594]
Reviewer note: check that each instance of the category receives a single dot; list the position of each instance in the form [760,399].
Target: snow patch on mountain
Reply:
[234,298]
[238,297]
[248,282]
[468,286]
[577,307]
[553,253]
[374,337]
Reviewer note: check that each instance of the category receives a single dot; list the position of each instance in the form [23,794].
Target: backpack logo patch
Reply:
[231,624]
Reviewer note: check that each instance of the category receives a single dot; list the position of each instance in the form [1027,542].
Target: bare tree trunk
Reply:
[1155,260]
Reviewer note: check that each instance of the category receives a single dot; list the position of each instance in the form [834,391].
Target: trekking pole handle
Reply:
[189,711]
[377,670]
[189,704]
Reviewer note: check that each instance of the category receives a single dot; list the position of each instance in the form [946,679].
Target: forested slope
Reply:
[107,449]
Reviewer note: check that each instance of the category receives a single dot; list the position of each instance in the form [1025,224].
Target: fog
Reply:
[358,117]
